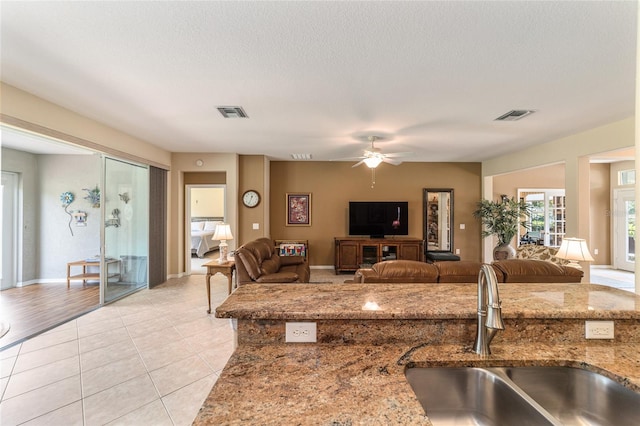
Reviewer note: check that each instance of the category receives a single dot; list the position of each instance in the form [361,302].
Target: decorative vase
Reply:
[503,252]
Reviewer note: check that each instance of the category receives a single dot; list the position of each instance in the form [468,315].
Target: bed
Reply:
[202,230]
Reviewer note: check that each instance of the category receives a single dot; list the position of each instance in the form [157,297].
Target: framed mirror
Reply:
[438,219]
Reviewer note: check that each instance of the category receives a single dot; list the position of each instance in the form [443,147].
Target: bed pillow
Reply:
[197,226]
[211,225]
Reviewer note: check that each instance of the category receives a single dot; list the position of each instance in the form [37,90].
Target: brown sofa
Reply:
[258,261]
[507,271]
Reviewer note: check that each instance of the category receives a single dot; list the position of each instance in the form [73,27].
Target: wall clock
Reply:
[251,198]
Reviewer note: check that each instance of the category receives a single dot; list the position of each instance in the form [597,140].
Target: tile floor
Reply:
[148,359]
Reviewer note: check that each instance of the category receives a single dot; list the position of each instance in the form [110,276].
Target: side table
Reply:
[213,268]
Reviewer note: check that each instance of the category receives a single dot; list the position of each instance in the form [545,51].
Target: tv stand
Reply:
[352,253]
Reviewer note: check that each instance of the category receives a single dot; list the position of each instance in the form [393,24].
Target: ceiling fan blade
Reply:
[392,161]
[398,154]
[358,163]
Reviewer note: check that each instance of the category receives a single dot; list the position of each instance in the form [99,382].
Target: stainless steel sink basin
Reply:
[522,396]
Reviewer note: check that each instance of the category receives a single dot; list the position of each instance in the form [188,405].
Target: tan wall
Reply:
[333,184]
[252,176]
[207,202]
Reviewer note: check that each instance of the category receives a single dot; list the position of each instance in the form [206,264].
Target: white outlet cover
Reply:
[300,332]
[256,226]
[599,330]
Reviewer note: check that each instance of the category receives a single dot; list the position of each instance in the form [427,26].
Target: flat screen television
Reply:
[378,218]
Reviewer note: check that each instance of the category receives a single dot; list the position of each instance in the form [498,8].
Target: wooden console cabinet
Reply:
[354,253]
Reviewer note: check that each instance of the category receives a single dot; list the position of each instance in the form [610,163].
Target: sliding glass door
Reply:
[126,229]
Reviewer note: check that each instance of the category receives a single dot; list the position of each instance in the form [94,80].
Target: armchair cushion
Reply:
[279,277]
[536,271]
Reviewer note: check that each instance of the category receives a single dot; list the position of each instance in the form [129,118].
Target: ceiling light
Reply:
[232,112]
[301,156]
[373,162]
[515,114]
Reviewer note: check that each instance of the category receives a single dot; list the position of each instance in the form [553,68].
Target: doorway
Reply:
[624,227]
[205,208]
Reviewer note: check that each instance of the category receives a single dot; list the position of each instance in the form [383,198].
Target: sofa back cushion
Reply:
[405,271]
[536,271]
[249,262]
[465,271]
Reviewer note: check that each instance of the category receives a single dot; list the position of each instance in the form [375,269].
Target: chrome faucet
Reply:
[489,311]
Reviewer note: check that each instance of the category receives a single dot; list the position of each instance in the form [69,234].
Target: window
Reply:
[547,224]
[626,177]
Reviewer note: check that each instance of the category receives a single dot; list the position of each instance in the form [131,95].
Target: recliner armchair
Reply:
[258,261]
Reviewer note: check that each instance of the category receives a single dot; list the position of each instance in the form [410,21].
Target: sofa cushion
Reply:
[271,265]
[536,271]
[250,262]
[279,277]
[464,271]
[405,271]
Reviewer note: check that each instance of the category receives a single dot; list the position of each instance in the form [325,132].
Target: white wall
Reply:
[57,174]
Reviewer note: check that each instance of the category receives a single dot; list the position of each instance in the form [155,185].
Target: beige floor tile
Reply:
[41,376]
[151,414]
[13,351]
[6,366]
[108,338]
[105,313]
[119,400]
[139,315]
[156,339]
[69,325]
[183,404]
[49,339]
[145,328]
[40,401]
[109,375]
[45,356]
[161,356]
[210,339]
[69,415]
[179,374]
[3,385]
[85,330]
[108,354]
[217,358]
[195,327]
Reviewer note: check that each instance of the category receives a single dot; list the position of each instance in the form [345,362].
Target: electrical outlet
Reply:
[599,329]
[457,251]
[256,226]
[300,332]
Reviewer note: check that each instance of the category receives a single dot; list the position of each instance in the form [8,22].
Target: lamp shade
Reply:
[223,232]
[574,249]
[372,162]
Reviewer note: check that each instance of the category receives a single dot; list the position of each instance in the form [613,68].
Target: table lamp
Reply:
[223,233]
[574,250]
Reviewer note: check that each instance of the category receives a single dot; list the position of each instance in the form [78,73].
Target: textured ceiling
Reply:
[319,77]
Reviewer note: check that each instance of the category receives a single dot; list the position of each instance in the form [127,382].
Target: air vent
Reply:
[514,115]
[301,156]
[232,112]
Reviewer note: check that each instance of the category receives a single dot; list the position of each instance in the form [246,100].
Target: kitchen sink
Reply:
[522,396]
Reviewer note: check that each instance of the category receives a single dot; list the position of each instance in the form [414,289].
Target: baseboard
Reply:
[601,267]
[41,281]
[322,267]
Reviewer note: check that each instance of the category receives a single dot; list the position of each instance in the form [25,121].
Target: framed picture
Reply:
[299,209]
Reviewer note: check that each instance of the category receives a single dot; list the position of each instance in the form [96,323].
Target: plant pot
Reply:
[503,252]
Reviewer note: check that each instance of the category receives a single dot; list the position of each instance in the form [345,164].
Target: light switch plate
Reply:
[256,226]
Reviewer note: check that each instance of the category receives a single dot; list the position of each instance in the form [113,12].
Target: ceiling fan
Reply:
[373,156]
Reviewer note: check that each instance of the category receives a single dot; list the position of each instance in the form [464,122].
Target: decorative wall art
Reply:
[93,196]
[67,198]
[298,209]
[80,217]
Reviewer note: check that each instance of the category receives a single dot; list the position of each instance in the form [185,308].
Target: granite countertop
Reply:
[364,383]
[419,301]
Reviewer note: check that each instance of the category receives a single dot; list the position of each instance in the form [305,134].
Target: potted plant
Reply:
[502,218]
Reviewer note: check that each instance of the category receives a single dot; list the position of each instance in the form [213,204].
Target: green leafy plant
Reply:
[502,218]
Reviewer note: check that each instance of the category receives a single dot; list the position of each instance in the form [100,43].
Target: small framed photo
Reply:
[298,209]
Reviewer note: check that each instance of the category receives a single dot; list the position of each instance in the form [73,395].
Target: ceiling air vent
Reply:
[515,114]
[232,112]
[301,156]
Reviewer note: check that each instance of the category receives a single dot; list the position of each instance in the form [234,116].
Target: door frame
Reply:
[187,217]
[619,229]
